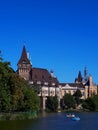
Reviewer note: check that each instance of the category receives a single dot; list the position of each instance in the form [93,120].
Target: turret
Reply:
[79,79]
[90,80]
[52,73]
[85,75]
[24,65]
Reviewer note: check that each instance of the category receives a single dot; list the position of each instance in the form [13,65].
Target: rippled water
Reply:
[54,121]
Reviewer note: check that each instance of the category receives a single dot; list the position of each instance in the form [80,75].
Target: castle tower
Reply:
[79,77]
[90,80]
[85,75]
[24,65]
[90,86]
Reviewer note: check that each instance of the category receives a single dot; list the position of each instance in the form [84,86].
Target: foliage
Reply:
[52,103]
[31,100]
[15,93]
[95,99]
[4,100]
[69,101]
[78,93]
[18,116]
[5,97]
[37,88]
[97,88]
[89,104]
[77,96]
[16,89]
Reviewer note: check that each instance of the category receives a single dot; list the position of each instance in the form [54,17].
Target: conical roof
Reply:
[79,77]
[24,58]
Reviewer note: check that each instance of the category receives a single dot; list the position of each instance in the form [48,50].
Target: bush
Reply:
[89,104]
[52,103]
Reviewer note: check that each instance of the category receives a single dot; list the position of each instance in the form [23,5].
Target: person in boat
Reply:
[70,115]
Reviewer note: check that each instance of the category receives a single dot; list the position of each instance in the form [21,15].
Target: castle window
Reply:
[83,94]
[24,61]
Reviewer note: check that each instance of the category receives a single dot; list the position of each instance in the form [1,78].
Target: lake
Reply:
[54,121]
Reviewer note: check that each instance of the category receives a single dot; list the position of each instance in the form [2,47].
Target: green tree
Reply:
[77,96]
[5,96]
[5,99]
[31,99]
[95,99]
[52,103]
[89,104]
[16,84]
[69,101]
[78,93]
[24,98]
[37,88]
[15,93]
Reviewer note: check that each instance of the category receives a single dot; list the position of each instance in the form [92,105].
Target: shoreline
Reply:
[18,116]
[32,115]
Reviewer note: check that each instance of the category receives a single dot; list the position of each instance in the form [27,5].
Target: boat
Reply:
[76,118]
[70,115]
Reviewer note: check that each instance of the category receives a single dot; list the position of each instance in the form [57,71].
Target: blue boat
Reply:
[76,118]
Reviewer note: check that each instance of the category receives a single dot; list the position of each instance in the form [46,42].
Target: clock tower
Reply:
[24,65]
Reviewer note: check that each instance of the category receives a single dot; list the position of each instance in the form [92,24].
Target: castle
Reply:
[50,86]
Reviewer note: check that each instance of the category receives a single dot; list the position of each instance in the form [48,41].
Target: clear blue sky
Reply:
[59,34]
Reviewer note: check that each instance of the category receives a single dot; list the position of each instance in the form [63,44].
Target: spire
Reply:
[52,73]
[24,57]
[85,72]
[79,77]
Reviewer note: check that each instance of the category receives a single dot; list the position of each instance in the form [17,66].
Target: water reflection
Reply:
[15,125]
[53,121]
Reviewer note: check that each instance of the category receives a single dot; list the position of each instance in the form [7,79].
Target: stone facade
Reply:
[37,77]
[50,85]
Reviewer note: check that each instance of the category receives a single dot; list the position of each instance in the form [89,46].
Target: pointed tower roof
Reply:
[85,72]
[79,77]
[23,57]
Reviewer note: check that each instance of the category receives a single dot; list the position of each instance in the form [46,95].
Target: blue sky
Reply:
[59,34]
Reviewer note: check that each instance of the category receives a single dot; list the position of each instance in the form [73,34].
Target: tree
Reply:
[15,93]
[16,84]
[31,99]
[5,100]
[37,88]
[24,98]
[5,96]
[95,99]
[69,101]
[89,104]
[52,103]
[77,96]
